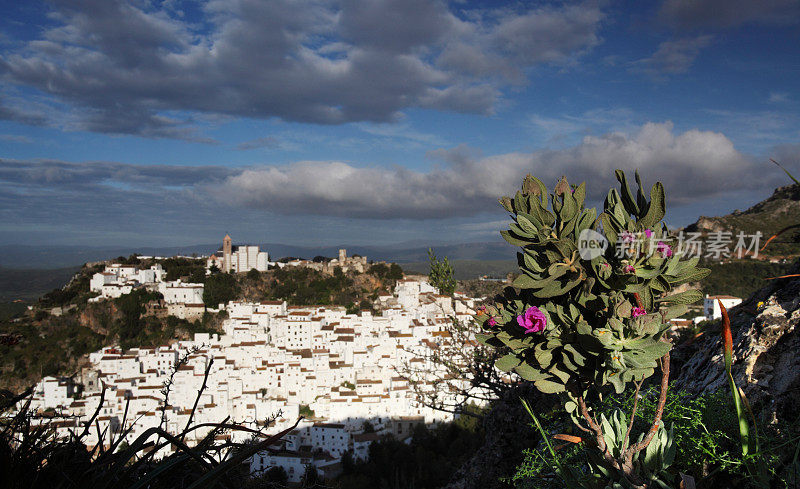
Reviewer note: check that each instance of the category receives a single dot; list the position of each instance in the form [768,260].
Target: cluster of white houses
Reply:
[271,360]
[181,299]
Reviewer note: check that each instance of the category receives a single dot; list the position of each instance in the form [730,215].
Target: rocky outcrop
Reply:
[508,433]
[766,363]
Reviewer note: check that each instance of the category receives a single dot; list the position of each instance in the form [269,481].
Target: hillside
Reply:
[38,342]
[778,211]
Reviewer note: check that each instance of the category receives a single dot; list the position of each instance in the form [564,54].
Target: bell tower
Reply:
[227,248]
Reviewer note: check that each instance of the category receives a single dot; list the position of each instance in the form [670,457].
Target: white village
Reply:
[273,362]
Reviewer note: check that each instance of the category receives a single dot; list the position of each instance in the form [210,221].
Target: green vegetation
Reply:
[704,429]
[383,271]
[187,269]
[441,274]
[220,288]
[10,310]
[740,278]
[75,292]
[305,286]
[584,321]
[306,411]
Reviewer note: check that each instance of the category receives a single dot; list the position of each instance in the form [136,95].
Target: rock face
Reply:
[766,343]
[508,433]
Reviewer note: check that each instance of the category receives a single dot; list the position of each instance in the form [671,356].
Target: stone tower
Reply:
[227,249]
[342,256]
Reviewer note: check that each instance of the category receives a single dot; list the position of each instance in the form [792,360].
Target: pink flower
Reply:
[638,311]
[492,322]
[664,249]
[627,237]
[628,269]
[648,233]
[533,320]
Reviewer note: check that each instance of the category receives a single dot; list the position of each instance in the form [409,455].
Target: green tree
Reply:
[441,274]
[220,289]
[395,272]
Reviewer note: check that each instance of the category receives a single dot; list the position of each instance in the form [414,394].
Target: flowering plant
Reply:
[578,324]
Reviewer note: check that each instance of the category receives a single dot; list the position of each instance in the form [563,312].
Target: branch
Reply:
[662,400]
[598,432]
[633,415]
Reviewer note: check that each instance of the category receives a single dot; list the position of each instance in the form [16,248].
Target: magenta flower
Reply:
[492,322]
[627,237]
[648,233]
[638,311]
[628,269]
[533,320]
[664,249]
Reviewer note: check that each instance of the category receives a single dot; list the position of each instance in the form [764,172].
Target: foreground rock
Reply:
[766,343]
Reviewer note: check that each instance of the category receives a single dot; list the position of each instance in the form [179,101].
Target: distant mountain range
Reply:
[47,257]
[779,210]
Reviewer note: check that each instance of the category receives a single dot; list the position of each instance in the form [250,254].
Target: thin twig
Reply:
[633,415]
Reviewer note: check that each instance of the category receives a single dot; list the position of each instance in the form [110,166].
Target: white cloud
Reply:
[693,165]
[778,98]
[672,57]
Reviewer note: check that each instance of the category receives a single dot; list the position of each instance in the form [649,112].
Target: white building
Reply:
[117,280]
[711,306]
[242,258]
[178,292]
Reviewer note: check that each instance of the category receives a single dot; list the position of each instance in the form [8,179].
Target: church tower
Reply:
[227,249]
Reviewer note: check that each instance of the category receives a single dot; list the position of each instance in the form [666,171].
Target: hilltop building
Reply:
[117,279]
[355,263]
[241,258]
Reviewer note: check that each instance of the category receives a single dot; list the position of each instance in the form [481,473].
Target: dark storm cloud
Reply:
[703,14]
[131,68]
[13,114]
[66,177]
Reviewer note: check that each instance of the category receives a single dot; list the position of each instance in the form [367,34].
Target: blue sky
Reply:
[382,121]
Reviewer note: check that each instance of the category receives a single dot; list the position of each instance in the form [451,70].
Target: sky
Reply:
[379,122]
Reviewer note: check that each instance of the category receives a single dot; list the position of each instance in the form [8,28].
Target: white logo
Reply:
[591,244]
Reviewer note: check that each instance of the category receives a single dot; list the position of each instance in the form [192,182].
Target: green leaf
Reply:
[686,297]
[549,387]
[657,208]
[507,363]
[694,275]
[625,192]
[543,356]
[524,281]
[513,239]
[528,372]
